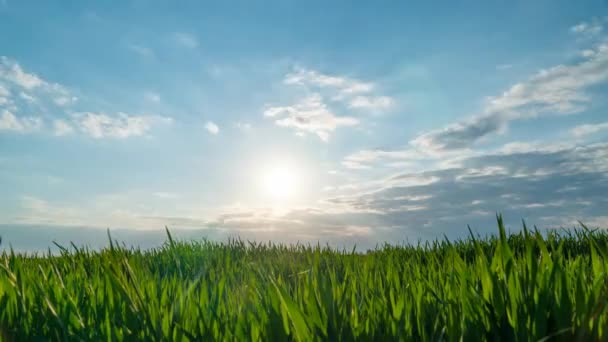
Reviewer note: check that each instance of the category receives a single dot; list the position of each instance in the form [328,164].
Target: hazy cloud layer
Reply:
[523,182]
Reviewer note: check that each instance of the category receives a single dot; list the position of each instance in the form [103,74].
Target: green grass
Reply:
[524,286]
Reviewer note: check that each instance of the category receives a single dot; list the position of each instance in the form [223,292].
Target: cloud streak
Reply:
[120,126]
[560,90]
[582,131]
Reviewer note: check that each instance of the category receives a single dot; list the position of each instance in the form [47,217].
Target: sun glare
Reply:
[280,182]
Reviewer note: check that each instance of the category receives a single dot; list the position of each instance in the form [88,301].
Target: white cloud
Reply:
[559,90]
[64,100]
[4,95]
[165,195]
[11,71]
[343,84]
[186,40]
[371,102]
[42,95]
[122,125]
[310,115]
[212,128]
[363,159]
[588,28]
[61,127]
[585,130]
[4,92]
[27,97]
[10,122]
[313,114]
[28,83]
[141,50]
[243,126]
[357,93]
[152,97]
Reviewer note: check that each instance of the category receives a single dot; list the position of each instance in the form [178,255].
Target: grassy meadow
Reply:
[517,287]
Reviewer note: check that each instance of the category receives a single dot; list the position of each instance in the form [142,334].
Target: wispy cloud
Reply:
[555,91]
[212,128]
[504,66]
[315,113]
[9,122]
[141,50]
[243,126]
[586,130]
[187,40]
[371,102]
[310,115]
[4,95]
[61,128]
[122,125]
[165,195]
[592,28]
[18,86]
[344,85]
[31,85]
[364,159]
[356,93]
[152,97]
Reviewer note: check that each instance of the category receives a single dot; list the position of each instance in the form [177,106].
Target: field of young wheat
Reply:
[523,286]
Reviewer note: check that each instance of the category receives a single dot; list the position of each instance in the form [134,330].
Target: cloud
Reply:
[547,186]
[141,50]
[186,40]
[372,102]
[365,158]
[9,122]
[356,93]
[61,128]
[12,72]
[212,128]
[592,28]
[25,92]
[344,85]
[559,90]
[310,115]
[315,112]
[521,184]
[4,95]
[120,126]
[243,126]
[585,130]
[165,195]
[434,202]
[460,135]
[152,97]
[30,85]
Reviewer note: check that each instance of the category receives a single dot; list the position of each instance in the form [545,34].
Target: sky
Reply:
[299,121]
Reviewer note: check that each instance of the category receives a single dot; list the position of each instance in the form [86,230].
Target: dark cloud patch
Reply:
[461,135]
[547,188]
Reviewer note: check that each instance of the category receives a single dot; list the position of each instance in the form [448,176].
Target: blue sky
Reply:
[300,121]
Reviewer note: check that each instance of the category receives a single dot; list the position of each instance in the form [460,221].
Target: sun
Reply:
[280,181]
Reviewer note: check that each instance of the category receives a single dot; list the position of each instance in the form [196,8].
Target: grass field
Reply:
[523,286]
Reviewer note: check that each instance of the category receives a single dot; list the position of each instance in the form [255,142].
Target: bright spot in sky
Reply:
[280,182]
